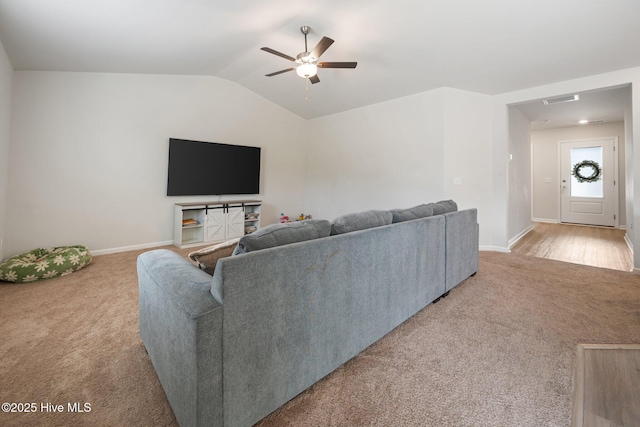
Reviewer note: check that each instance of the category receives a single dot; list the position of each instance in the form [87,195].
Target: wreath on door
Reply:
[579,170]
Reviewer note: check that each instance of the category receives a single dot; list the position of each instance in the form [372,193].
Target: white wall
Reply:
[545,165]
[629,172]
[6,76]
[467,155]
[89,154]
[402,153]
[382,156]
[519,175]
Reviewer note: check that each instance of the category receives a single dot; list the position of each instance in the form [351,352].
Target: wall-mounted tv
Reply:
[199,168]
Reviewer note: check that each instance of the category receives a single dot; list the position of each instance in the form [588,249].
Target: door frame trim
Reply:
[616,173]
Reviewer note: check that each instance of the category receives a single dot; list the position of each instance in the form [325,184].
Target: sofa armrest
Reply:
[181,328]
[461,230]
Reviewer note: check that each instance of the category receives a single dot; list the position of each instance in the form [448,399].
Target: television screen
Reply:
[205,168]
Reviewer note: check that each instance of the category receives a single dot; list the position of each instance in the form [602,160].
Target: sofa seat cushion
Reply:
[416,212]
[443,207]
[44,263]
[207,258]
[360,221]
[283,234]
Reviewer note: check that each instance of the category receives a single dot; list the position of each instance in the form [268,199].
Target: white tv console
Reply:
[211,222]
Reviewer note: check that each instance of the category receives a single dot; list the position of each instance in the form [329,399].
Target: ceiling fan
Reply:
[307,62]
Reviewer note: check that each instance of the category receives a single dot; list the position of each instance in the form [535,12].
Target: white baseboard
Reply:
[555,221]
[628,241]
[548,220]
[131,248]
[520,235]
[494,249]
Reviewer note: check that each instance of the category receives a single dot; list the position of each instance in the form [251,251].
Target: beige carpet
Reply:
[499,351]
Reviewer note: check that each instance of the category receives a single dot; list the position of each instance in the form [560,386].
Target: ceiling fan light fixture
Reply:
[307,70]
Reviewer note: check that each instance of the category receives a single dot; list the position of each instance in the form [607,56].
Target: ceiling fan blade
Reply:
[314,79]
[280,54]
[321,47]
[279,72]
[337,64]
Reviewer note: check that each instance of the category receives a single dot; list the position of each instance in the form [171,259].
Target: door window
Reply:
[589,187]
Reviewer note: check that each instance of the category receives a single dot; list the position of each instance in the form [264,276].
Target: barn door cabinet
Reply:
[214,222]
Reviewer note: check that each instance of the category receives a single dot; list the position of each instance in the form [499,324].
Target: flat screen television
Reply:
[199,168]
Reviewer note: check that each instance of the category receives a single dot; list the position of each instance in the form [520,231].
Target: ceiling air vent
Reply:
[560,99]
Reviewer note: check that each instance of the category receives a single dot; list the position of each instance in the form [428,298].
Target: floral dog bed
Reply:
[44,263]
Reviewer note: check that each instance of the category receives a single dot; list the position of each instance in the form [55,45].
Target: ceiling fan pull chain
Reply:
[306,96]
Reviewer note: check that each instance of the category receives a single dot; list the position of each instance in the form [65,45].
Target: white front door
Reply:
[588,181]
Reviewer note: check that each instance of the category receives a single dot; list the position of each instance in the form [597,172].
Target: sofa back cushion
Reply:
[283,234]
[416,212]
[360,221]
[443,207]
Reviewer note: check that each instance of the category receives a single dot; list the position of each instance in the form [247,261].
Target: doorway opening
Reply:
[577,177]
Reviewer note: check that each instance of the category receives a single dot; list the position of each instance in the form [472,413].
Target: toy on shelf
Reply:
[285,218]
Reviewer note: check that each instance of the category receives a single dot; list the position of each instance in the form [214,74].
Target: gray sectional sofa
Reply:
[272,321]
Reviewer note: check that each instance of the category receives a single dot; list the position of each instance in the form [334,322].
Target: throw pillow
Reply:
[420,211]
[360,221]
[207,258]
[283,234]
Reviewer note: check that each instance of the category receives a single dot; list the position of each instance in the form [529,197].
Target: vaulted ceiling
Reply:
[402,47]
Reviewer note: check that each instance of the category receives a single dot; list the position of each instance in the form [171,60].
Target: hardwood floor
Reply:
[607,386]
[596,246]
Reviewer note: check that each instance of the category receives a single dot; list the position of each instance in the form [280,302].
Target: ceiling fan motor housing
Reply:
[305,58]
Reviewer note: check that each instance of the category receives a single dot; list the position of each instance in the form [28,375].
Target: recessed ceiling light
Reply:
[583,122]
